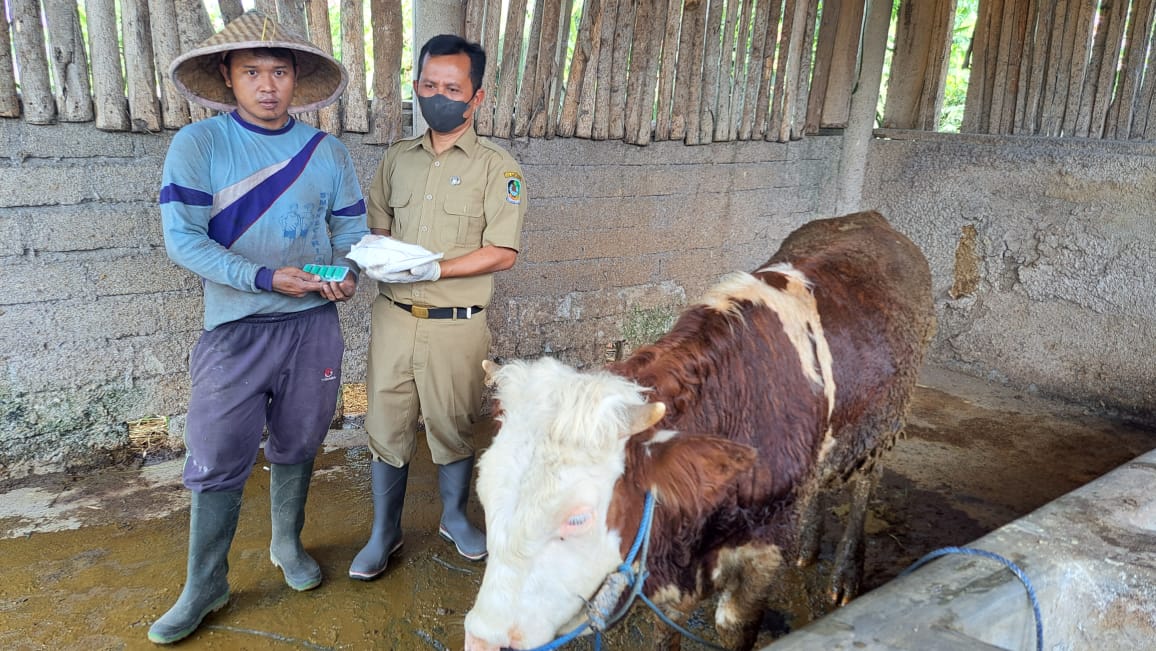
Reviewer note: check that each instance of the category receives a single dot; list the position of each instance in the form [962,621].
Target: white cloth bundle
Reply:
[378,255]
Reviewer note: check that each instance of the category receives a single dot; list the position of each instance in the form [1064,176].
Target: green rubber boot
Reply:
[212,523]
[288,490]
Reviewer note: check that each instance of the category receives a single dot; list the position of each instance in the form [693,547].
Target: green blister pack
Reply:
[328,272]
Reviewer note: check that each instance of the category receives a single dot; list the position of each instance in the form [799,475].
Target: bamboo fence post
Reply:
[1023,111]
[144,109]
[824,55]
[600,129]
[68,61]
[1091,78]
[386,125]
[619,70]
[484,118]
[584,46]
[111,106]
[9,100]
[644,25]
[1000,83]
[1132,70]
[557,87]
[194,26]
[267,7]
[914,89]
[712,55]
[755,69]
[772,50]
[1142,124]
[975,108]
[650,75]
[230,9]
[722,125]
[584,126]
[1051,109]
[694,53]
[540,98]
[803,80]
[1033,109]
[356,113]
[526,89]
[790,54]
[28,43]
[166,47]
[1105,83]
[1082,40]
[508,74]
[666,86]
[317,14]
[739,84]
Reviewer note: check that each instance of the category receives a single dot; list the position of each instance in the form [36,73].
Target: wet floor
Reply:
[88,562]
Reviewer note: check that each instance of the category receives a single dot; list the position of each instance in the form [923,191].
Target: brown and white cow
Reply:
[778,382]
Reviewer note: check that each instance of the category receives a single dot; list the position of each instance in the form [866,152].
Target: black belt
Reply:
[437,312]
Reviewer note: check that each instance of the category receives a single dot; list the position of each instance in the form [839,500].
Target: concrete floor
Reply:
[89,561]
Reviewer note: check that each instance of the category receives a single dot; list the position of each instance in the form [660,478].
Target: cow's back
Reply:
[872,286]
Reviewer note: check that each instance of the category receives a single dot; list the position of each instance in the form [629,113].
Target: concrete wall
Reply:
[1044,256]
[96,323]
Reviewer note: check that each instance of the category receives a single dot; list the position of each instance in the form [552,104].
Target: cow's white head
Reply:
[546,484]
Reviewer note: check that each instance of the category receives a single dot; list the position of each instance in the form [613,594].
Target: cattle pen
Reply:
[664,144]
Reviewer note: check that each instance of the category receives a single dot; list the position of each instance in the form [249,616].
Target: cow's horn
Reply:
[645,416]
[491,369]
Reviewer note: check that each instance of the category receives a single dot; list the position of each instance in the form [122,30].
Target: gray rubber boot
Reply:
[388,497]
[454,484]
[212,523]
[288,490]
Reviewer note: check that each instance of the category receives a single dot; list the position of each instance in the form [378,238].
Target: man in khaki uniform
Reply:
[457,194]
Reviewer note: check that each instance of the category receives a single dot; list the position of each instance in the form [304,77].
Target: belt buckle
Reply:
[420,312]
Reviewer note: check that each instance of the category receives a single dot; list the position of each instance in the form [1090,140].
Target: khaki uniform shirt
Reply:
[470,196]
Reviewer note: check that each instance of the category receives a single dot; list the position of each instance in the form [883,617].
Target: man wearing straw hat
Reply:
[456,194]
[248,199]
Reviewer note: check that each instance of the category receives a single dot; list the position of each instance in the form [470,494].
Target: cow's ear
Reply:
[491,369]
[695,473]
[643,417]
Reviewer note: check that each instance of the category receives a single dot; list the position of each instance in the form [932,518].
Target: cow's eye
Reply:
[577,522]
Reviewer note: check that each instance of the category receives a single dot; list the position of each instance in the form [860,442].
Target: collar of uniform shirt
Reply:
[467,142]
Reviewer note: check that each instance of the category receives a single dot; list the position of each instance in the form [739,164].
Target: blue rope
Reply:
[1010,565]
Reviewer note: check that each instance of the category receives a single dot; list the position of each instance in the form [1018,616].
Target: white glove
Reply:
[429,271]
[381,256]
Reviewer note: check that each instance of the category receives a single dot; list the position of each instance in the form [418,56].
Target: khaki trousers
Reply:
[431,367]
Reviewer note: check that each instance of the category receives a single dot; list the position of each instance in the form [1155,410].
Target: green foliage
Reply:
[955,88]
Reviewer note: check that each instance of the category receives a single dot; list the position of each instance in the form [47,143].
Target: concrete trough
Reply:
[1090,555]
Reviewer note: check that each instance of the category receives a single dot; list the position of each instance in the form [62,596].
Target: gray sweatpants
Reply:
[277,370]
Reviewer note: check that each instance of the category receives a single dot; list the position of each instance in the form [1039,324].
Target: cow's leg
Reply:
[678,609]
[743,578]
[847,572]
[810,526]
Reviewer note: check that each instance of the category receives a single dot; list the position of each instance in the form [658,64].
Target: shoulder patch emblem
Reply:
[514,190]
[513,175]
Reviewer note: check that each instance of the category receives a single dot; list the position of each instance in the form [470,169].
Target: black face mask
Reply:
[442,113]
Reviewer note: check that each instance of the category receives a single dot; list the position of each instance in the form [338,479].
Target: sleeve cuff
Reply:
[264,279]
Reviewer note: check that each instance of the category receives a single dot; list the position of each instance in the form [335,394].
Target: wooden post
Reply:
[230,9]
[111,105]
[619,70]
[386,126]
[976,107]
[291,13]
[803,80]
[557,83]
[584,128]
[771,49]
[637,103]
[790,55]
[666,87]
[166,46]
[317,15]
[356,105]
[722,111]
[738,88]
[28,42]
[712,53]
[508,75]
[1082,46]
[475,17]
[919,64]
[755,69]
[267,7]
[600,129]
[1144,122]
[9,100]
[68,61]
[195,26]
[484,118]
[696,31]
[1134,55]
[540,95]
[144,110]
[584,49]
[1105,82]
[529,73]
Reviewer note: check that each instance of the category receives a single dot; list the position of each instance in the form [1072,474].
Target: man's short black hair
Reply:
[446,44]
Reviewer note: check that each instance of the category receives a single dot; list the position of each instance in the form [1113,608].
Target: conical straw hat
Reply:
[196,74]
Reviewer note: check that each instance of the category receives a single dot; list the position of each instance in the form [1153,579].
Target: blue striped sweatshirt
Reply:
[239,201]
